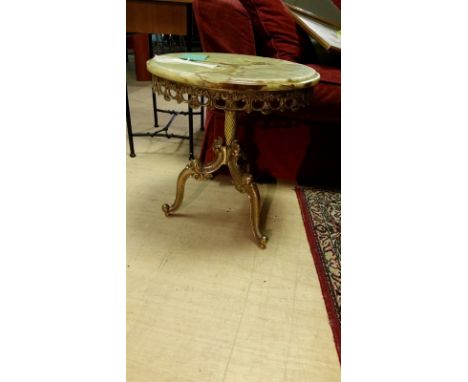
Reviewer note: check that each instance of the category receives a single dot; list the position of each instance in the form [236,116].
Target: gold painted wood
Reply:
[231,83]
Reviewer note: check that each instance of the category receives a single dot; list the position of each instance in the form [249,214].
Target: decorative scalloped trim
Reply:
[236,100]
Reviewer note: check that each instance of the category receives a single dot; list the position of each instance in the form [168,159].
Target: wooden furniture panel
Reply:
[168,17]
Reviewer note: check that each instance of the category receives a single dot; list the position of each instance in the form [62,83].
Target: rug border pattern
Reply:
[323,279]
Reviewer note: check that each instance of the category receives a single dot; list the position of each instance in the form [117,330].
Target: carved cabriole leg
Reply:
[225,155]
[187,172]
[242,180]
[199,172]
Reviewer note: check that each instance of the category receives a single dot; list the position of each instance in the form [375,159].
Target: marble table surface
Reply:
[232,71]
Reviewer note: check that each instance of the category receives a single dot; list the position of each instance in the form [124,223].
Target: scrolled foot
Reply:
[261,242]
[166,209]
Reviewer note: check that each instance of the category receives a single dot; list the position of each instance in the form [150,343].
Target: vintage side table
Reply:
[233,83]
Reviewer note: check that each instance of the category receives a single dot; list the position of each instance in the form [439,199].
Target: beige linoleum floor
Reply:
[204,304]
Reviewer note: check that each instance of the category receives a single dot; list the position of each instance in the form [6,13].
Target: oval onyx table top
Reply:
[232,71]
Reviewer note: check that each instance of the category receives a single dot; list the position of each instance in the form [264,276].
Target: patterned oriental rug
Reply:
[321,212]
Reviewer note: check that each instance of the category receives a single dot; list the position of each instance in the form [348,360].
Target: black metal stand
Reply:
[190,113]
[164,131]
[129,128]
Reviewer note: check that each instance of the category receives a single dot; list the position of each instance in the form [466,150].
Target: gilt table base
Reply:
[233,83]
[228,155]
